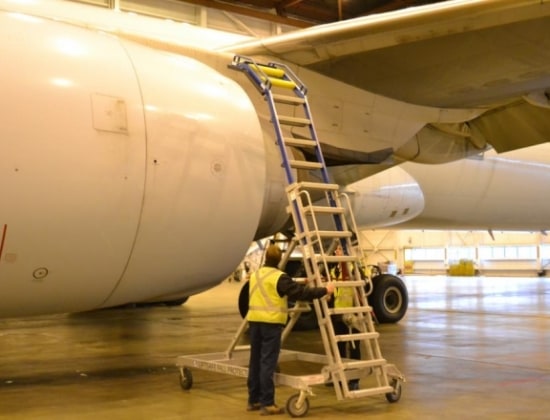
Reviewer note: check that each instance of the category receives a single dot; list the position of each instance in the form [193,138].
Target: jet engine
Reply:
[127,173]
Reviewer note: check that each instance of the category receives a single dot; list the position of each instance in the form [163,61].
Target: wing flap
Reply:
[449,54]
[514,126]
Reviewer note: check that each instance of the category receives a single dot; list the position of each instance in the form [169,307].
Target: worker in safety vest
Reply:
[267,315]
[343,298]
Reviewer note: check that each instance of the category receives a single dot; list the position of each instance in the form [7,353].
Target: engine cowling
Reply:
[385,199]
[120,167]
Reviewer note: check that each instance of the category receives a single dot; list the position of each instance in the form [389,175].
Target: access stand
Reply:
[320,223]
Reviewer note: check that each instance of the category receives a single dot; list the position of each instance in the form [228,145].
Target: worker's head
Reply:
[273,256]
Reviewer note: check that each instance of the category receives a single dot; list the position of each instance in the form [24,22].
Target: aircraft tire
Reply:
[389,298]
[243,299]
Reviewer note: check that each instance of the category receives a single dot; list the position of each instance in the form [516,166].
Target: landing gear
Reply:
[389,298]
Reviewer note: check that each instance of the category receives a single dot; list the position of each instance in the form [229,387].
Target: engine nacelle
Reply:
[385,199]
[121,167]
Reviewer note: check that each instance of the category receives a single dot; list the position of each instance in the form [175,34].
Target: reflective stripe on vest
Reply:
[265,304]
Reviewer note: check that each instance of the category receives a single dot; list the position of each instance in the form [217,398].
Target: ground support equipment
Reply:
[320,214]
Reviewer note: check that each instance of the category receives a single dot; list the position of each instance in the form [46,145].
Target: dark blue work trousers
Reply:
[265,346]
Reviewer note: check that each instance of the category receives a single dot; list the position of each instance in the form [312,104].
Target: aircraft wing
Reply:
[489,54]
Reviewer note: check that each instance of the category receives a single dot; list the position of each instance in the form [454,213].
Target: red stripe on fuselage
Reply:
[4,230]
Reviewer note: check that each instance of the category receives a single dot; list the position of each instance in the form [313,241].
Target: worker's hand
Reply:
[330,288]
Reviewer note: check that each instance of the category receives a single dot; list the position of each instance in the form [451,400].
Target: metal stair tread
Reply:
[360,364]
[324,209]
[291,141]
[326,234]
[316,186]
[357,336]
[353,309]
[289,100]
[304,164]
[294,121]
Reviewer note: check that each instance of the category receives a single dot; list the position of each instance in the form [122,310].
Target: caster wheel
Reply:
[396,394]
[293,409]
[186,378]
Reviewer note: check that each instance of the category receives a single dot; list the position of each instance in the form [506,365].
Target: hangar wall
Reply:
[192,14]
[435,252]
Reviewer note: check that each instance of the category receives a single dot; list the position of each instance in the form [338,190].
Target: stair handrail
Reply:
[361,253]
[263,83]
[318,238]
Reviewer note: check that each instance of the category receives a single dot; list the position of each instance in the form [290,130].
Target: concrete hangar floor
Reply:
[468,347]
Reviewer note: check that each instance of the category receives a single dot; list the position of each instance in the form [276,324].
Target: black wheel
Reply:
[389,298]
[396,394]
[293,409]
[186,378]
[243,299]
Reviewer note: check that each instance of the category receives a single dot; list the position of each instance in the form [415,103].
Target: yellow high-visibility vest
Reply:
[343,296]
[265,304]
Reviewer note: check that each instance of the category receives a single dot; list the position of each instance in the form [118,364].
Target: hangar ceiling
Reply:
[303,13]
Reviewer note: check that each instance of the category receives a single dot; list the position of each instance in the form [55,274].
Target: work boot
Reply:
[270,410]
[253,407]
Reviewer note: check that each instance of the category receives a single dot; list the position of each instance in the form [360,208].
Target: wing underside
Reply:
[493,55]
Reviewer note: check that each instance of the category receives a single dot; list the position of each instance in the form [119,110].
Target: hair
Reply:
[273,256]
